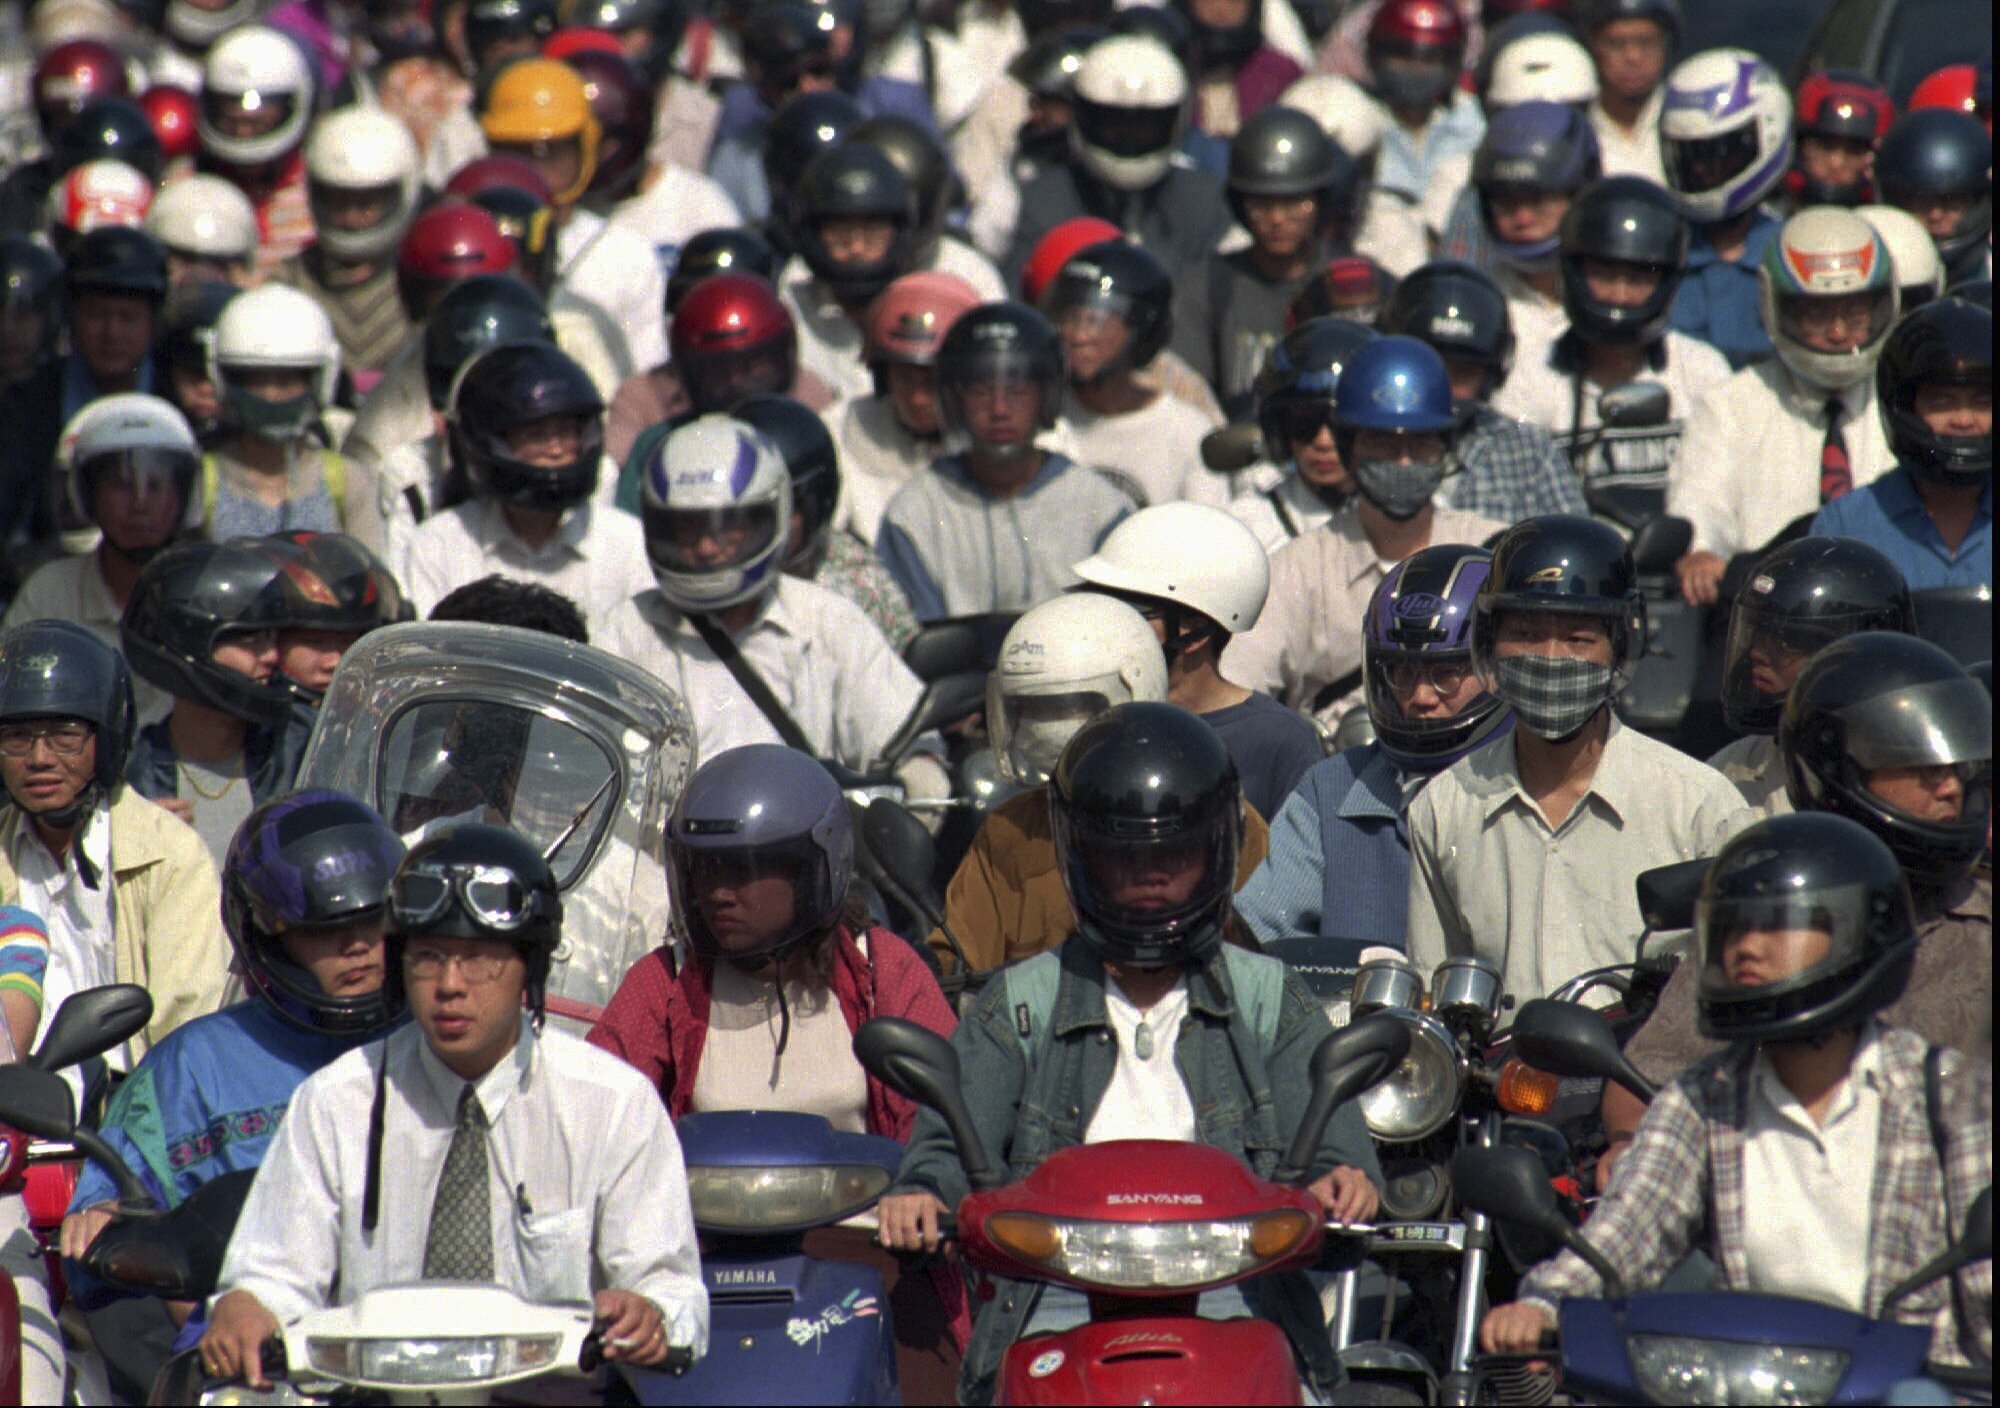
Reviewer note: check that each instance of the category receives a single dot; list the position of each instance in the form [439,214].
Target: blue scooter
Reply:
[784,1327]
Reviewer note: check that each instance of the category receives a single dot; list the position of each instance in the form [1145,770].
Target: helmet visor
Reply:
[1147,883]
[141,473]
[745,900]
[246,116]
[1834,323]
[710,539]
[1700,164]
[1424,696]
[1123,131]
[1945,721]
[1030,730]
[716,380]
[1776,943]
[1766,652]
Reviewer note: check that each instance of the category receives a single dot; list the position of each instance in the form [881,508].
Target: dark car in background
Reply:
[1898,42]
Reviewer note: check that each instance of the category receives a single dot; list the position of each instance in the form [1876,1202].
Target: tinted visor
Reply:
[251,114]
[709,539]
[1703,163]
[1778,942]
[142,472]
[1766,652]
[1126,132]
[1812,318]
[715,380]
[1946,721]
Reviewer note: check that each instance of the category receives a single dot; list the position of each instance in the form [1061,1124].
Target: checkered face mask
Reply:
[1552,696]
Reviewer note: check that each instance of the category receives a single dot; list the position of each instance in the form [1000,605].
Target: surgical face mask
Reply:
[274,420]
[1401,489]
[1552,696]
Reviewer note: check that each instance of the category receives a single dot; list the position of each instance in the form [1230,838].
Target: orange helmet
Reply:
[1054,250]
[534,101]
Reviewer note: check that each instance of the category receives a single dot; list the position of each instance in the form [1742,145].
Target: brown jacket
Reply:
[1007,900]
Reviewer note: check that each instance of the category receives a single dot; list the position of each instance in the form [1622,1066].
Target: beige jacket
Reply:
[166,908]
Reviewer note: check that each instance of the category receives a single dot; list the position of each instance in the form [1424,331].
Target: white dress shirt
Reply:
[1537,319]
[1756,768]
[1490,877]
[1146,1098]
[678,203]
[82,948]
[1633,151]
[1277,505]
[817,651]
[589,1191]
[597,557]
[1807,1184]
[617,270]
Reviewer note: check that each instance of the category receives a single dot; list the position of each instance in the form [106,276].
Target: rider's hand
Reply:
[1608,1160]
[634,1331]
[1701,574]
[1621,1111]
[80,1229]
[1514,1328]
[1347,1195]
[233,1346]
[180,807]
[909,1221]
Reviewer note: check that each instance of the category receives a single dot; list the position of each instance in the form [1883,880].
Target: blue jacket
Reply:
[1888,516]
[1718,301]
[1339,863]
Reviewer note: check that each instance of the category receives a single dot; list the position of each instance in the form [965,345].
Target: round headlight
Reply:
[1419,1097]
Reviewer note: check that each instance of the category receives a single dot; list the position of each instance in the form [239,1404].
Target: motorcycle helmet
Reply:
[1622,220]
[1540,147]
[1883,700]
[512,385]
[175,115]
[188,598]
[925,164]
[804,444]
[536,104]
[1283,152]
[1549,67]
[527,217]
[715,480]
[1415,49]
[1294,391]
[1564,563]
[1128,111]
[1399,386]
[1222,47]
[140,437]
[444,246]
[96,195]
[195,28]
[1063,662]
[1142,791]
[334,583]
[1845,106]
[1346,286]
[1956,88]
[1803,597]
[999,342]
[248,72]
[308,860]
[475,882]
[732,338]
[519,24]
[1837,935]
[187,344]
[1116,280]
[804,126]
[1047,69]
[31,281]
[1935,153]
[623,104]
[1949,341]
[1912,254]
[62,670]
[205,219]
[1826,253]
[1725,133]
[1054,249]
[729,250]
[1460,312]
[1419,622]
[362,150]
[275,327]
[660,23]
[1201,572]
[853,182]
[108,127]
[909,319]
[70,75]
[484,311]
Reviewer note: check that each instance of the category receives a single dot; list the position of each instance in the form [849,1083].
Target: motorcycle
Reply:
[1090,1218]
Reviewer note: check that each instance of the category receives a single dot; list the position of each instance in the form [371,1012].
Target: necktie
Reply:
[460,1245]
[1836,476]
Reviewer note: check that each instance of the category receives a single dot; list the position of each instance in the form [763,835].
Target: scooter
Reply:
[1091,1217]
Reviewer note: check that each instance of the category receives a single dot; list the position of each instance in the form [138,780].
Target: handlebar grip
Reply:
[275,1362]
[591,1354]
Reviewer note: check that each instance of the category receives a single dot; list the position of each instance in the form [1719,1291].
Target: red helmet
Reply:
[71,74]
[1418,27]
[475,178]
[1953,86]
[624,106]
[445,244]
[732,338]
[172,111]
[1055,250]
[568,43]
[1842,103]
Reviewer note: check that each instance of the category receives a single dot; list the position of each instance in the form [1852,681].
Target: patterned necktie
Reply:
[460,1245]
[1836,475]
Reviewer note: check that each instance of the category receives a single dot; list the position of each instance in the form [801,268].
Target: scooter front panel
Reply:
[1153,1359]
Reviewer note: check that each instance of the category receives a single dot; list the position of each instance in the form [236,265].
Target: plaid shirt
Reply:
[1682,1181]
[1511,470]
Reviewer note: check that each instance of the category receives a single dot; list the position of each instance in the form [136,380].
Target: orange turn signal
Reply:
[1525,1090]
[1276,1233]
[1027,1236]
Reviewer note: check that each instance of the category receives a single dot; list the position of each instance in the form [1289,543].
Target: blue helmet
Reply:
[1540,146]
[1394,383]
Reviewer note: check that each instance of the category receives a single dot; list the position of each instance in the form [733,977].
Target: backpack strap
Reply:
[333,473]
[211,478]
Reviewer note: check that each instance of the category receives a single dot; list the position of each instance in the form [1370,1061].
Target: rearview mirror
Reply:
[92,1022]
[1345,1064]
[958,644]
[1667,893]
[1510,1184]
[1637,405]
[916,1062]
[1566,1039]
[37,1102]
[1659,543]
[943,700]
[1232,448]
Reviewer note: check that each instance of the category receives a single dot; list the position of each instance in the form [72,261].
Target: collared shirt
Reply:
[588,1186]
[73,589]
[1490,877]
[1310,633]
[1750,458]
[1805,1182]
[617,270]
[596,558]
[1757,770]
[817,651]
[1718,299]
[1279,512]
[1890,516]
[1634,150]
[78,915]
[1413,166]
[1508,471]
[1539,321]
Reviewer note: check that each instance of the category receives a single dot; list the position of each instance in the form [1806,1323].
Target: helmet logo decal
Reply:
[1808,267]
[1451,325]
[310,585]
[1419,604]
[745,467]
[1545,574]
[1396,394]
[1763,584]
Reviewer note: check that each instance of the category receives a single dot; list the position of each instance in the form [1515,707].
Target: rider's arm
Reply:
[981,904]
[1302,1026]
[644,1235]
[636,1025]
[992,1073]
[24,959]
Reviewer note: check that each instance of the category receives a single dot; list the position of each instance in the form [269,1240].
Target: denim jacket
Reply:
[1248,1098]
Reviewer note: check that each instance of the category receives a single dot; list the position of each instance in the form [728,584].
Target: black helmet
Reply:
[512,385]
[490,22]
[1940,152]
[31,280]
[1593,15]
[1304,371]
[484,311]
[1560,562]
[664,20]
[1047,67]
[116,259]
[1283,152]
[1006,339]
[1803,597]
[922,159]
[1978,292]
[1118,278]
[1039,17]
[334,583]
[802,442]
[307,860]
[58,669]
[804,125]
[110,128]
[1460,311]
[780,37]
[854,180]
[733,249]
[1879,700]
[1624,220]
[1143,781]
[1219,46]
[1784,879]
[185,602]
[1947,340]
[476,882]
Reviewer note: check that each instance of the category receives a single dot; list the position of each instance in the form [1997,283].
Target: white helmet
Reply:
[99,193]
[1548,68]
[1725,133]
[1343,110]
[276,327]
[1061,665]
[1128,110]
[716,502]
[205,217]
[363,149]
[1191,554]
[198,28]
[1919,271]
[248,71]
[140,434]
[1826,252]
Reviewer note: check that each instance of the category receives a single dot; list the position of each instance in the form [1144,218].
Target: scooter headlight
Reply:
[726,1198]
[454,1360]
[1157,1256]
[1419,1097]
[1679,1369]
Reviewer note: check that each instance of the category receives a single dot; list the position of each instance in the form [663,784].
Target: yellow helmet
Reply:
[542,100]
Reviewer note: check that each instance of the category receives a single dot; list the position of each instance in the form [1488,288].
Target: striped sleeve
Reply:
[24,953]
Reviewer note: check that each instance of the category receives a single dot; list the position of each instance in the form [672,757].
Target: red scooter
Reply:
[1143,1226]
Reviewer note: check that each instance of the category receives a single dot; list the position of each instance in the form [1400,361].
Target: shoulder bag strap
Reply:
[717,639]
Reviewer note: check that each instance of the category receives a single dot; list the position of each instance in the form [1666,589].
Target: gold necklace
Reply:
[188,777]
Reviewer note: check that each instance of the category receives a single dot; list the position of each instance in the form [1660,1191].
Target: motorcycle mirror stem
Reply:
[1568,1039]
[40,1103]
[1975,1243]
[916,1062]
[1511,1184]
[905,856]
[1345,1064]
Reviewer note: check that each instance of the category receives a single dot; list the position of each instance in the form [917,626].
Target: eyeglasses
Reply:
[65,740]
[1444,677]
[428,963]
[493,895]
[1303,422]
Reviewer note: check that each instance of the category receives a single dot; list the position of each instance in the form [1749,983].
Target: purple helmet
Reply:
[1534,146]
[307,860]
[1419,624]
